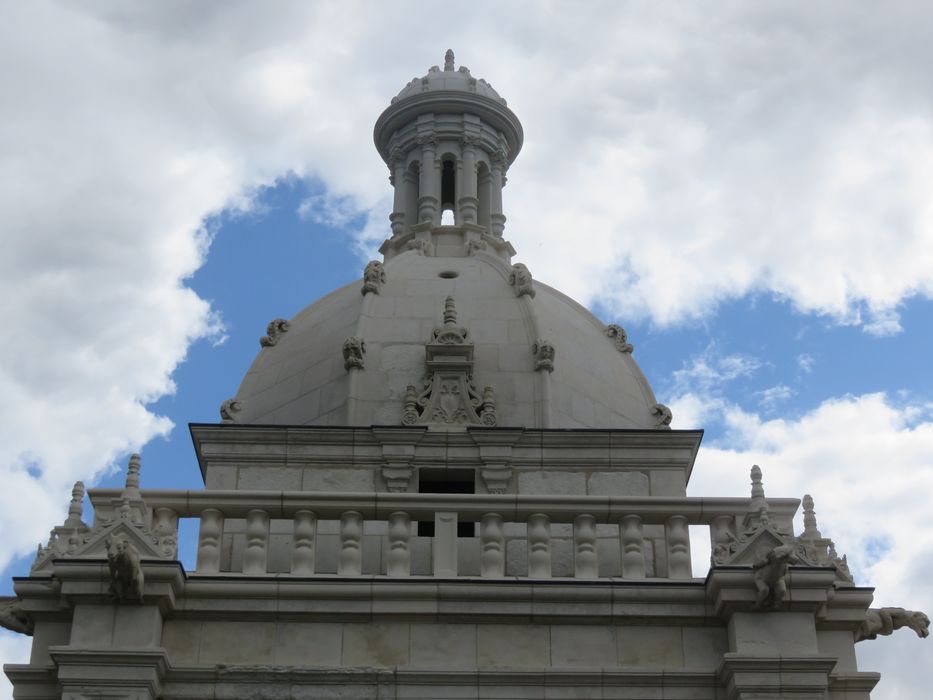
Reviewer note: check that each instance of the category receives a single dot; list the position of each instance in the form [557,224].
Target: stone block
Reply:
[182,639]
[704,647]
[92,626]
[618,484]
[319,479]
[512,645]
[48,634]
[443,646]
[236,643]
[667,482]
[552,482]
[269,478]
[377,645]
[651,647]
[773,633]
[221,478]
[516,558]
[838,643]
[592,646]
[308,644]
[137,626]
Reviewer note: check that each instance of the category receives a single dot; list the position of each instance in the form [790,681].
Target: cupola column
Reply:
[400,217]
[428,201]
[496,217]
[467,203]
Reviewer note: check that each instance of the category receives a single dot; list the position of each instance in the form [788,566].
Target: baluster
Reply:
[398,561]
[585,564]
[351,536]
[303,543]
[721,539]
[678,548]
[444,550]
[211,534]
[632,543]
[257,542]
[492,559]
[539,546]
[165,531]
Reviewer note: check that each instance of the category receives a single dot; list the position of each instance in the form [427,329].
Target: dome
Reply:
[448,79]
[549,362]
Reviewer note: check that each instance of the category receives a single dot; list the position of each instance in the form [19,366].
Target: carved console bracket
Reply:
[619,337]
[398,450]
[495,452]
[274,331]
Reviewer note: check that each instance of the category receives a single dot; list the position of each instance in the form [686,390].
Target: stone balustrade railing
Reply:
[538,536]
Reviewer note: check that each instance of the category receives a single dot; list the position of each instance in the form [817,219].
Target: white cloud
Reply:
[805,362]
[770,398]
[869,465]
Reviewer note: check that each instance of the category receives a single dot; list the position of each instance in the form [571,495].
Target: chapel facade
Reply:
[444,480]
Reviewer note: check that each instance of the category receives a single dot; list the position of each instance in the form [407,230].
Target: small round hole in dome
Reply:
[448,274]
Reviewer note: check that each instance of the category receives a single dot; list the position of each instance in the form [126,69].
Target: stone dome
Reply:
[549,362]
[450,78]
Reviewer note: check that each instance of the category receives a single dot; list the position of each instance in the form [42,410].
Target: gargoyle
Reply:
[770,572]
[884,621]
[14,618]
[126,574]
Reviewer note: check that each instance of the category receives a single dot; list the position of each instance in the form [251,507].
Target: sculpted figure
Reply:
[544,355]
[662,416]
[229,409]
[14,618]
[520,279]
[884,621]
[374,276]
[126,574]
[770,572]
[353,349]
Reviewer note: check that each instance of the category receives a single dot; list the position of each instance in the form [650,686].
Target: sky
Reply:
[745,187]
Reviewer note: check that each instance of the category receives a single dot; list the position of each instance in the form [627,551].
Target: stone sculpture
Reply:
[662,416]
[374,276]
[274,331]
[229,409]
[353,349]
[770,574]
[520,280]
[473,247]
[418,245]
[884,621]
[619,337]
[544,355]
[126,574]
[14,618]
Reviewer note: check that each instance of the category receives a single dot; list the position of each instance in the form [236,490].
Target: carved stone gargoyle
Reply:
[770,569]
[884,621]
[14,618]
[126,574]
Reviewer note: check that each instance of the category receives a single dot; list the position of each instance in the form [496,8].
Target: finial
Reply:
[758,491]
[132,471]
[449,60]
[450,312]
[76,507]
[810,530]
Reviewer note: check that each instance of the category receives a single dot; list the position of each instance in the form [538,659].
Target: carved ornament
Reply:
[544,355]
[14,618]
[229,410]
[883,621]
[274,331]
[618,336]
[662,416]
[353,350]
[521,281]
[374,276]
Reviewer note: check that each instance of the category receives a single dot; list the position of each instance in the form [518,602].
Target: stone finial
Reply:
[76,507]
[274,331]
[544,355]
[449,60]
[619,337]
[810,530]
[662,416]
[883,621]
[374,276]
[126,574]
[14,618]
[770,572]
[487,414]
[758,489]
[353,349]
[229,409]
[132,475]
[521,281]
[450,312]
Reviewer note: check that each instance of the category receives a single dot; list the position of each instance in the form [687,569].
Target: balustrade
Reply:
[653,538]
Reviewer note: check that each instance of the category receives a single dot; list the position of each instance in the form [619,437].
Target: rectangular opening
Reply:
[446,481]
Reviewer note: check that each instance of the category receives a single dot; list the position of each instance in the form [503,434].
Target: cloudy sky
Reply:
[746,187]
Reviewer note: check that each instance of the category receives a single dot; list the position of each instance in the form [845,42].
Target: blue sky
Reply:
[745,188]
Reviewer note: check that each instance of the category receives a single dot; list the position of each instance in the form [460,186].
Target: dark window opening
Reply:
[446,481]
[448,185]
